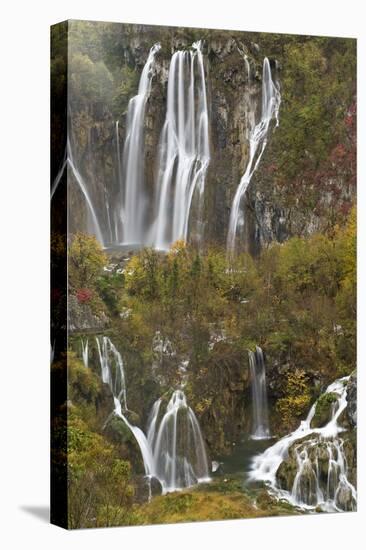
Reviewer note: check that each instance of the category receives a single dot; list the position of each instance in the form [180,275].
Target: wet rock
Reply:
[133,418]
[122,437]
[287,471]
[146,488]
[352,400]
[117,430]
[324,410]
[217,467]
[344,498]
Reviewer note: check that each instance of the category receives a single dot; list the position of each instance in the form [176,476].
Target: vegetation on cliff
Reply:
[297,301]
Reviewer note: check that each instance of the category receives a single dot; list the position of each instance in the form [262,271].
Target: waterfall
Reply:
[94,219]
[179,452]
[85,352]
[183,157]
[59,175]
[260,423]
[258,135]
[112,370]
[247,67]
[173,450]
[52,351]
[312,447]
[112,373]
[184,149]
[152,423]
[140,437]
[118,154]
[134,201]
[118,213]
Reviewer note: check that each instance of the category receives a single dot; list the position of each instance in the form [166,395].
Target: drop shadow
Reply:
[40,512]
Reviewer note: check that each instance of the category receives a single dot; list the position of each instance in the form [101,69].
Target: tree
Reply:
[85,261]
[99,484]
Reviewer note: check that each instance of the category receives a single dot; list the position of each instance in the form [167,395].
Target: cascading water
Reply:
[59,175]
[173,450]
[134,200]
[260,423]
[177,444]
[95,227]
[182,162]
[152,423]
[112,373]
[112,370]
[52,352]
[321,478]
[85,352]
[117,213]
[258,136]
[184,149]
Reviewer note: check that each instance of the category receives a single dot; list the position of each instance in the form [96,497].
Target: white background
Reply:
[24,218]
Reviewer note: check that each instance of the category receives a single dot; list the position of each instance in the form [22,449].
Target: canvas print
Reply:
[203,274]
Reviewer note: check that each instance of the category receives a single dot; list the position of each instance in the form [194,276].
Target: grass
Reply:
[216,501]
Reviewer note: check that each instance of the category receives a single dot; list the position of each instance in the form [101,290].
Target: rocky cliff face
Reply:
[231,92]
[274,209]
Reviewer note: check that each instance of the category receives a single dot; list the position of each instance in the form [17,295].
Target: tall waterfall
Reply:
[258,136]
[134,200]
[95,227]
[260,423]
[182,160]
[173,450]
[184,149]
[321,478]
[118,212]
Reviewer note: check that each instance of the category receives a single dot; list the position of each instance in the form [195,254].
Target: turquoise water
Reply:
[239,461]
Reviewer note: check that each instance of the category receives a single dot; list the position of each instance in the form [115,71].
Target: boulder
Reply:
[324,410]
[146,487]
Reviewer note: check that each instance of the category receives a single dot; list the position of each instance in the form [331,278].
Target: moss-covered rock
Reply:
[122,437]
[324,410]
[352,400]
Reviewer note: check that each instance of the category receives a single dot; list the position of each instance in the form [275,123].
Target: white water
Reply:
[59,175]
[176,210]
[152,423]
[85,352]
[52,352]
[258,135]
[309,489]
[173,450]
[247,66]
[177,444]
[83,187]
[184,150]
[112,370]
[260,422]
[162,346]
[118,212]
[134,200]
